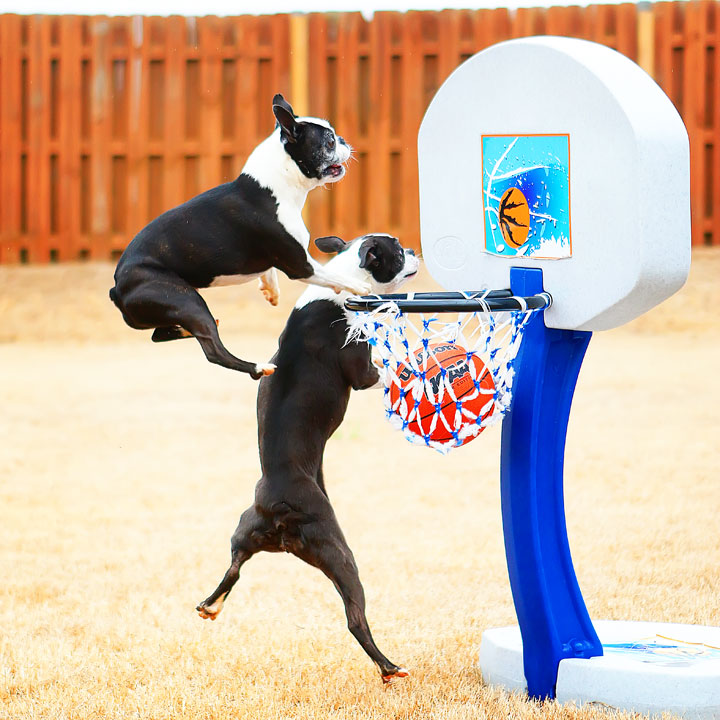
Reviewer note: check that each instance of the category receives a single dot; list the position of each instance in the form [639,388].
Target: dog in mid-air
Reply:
[231,234]
[299,407]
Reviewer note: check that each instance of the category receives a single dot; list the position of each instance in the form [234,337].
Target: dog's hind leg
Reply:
[320,480]
[176,309]
[325,547]
[249,537]
[206,333]
[173,332]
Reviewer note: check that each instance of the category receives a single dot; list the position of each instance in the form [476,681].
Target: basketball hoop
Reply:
[538,206]
[446,378]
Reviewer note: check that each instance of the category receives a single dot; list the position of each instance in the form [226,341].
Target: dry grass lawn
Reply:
[124,467]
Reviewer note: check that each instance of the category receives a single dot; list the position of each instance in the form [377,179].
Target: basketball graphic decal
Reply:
[526,195]
[514,216]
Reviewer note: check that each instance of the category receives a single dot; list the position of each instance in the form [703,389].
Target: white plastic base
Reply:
[659,667]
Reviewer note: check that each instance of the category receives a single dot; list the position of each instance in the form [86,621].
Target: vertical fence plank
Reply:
[318,60]
[191,111]
[703,38]
[268,77]
[100,133]
[693,80]
[492,26]
[138,132]
[280,59]
[646,40]
[37,200]
[69,137]
[712,120]
[247,88]
[346,192]
[379,160]
[530,21]
[299,84]
[157,120]
[120,72]
[174,97]
[211,112]
[10,138]
[663,48]
[627,31]
[413,111]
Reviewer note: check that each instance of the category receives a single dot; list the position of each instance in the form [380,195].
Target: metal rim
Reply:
[472,301]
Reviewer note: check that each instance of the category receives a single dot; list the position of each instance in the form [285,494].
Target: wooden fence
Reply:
[106,122]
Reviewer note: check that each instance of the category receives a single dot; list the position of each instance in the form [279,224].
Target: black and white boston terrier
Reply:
[299,407]
[231,234]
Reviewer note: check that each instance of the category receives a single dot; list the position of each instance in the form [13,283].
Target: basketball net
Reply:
[402,344]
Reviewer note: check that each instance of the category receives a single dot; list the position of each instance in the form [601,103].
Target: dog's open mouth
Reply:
[334,170]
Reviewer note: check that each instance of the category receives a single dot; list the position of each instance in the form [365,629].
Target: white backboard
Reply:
[564,155]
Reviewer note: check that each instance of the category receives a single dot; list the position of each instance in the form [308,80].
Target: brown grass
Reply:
[124,467]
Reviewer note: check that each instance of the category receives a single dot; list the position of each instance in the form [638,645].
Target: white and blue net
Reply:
[397,337]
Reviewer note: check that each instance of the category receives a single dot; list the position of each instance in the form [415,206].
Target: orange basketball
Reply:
[446,364]
[514,216]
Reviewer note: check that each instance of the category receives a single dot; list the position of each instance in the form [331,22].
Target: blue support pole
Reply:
[554,622]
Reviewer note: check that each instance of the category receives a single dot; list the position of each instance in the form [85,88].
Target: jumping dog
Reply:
[299,407]
[231,234]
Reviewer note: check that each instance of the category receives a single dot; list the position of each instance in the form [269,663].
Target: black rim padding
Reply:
[475,301]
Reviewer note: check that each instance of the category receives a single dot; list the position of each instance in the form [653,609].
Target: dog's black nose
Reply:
[410,251]
[341,140]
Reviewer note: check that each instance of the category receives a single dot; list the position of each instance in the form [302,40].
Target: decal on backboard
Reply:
[661,650]
[526,195]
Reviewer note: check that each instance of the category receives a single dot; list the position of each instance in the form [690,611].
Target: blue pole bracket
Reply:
[554,622]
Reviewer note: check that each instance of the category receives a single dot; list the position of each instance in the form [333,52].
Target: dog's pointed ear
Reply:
[368,254]
[330,244]
[282,102]
[286,119]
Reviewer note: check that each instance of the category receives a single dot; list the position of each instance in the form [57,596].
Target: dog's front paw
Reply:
[261,370]
[269,287]
[356,287]
[272,294]
[360,288]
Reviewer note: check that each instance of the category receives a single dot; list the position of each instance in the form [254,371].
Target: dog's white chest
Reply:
[273,169]
[222,280]
[290,217]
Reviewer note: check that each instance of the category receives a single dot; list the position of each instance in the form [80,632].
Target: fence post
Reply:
[11,173]
[646,38]
[299,61]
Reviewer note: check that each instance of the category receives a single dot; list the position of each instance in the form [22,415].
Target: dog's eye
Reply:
[331,144]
